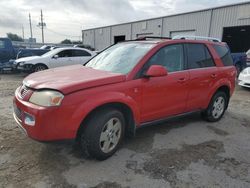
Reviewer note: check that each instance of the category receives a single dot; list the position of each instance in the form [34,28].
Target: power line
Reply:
[72,36]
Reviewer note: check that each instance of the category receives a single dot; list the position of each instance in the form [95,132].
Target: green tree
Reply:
[76,42]
[14,37]
[66,41]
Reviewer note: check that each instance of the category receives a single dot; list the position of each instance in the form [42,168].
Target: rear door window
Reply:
[80,53]
[198,56]
[224,54]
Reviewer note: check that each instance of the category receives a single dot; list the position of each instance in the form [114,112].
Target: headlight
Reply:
[46,98]
[246,71]
[22,63]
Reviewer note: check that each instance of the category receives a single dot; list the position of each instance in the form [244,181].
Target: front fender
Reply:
[82,109]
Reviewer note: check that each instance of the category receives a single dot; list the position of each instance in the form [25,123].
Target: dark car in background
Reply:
[8,53]
[248,58]
[240,61]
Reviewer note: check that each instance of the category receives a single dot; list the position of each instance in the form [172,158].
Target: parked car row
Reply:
[9,54]
[54,58]
[8,51]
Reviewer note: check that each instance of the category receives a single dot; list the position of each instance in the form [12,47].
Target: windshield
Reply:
[120,58]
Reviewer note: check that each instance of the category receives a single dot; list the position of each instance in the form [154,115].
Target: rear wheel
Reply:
[40,67]
[216,108]
[103,134]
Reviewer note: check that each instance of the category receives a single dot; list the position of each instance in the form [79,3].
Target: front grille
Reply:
[23,91]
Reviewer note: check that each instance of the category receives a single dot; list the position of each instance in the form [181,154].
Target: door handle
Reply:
[213,75]
[181,80]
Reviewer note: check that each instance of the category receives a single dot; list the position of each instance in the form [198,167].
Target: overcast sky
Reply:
[66,18]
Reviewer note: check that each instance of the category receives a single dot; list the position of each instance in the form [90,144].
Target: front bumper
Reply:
[49,124]
[7,66]
[244,80]
[25,67]
[244,84]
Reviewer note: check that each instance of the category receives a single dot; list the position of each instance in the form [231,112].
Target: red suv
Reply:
[126,86]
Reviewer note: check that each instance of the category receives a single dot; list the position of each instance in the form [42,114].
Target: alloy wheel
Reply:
[218,107]
[39,68]
[110,135]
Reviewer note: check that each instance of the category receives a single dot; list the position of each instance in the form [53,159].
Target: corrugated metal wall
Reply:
[229,16]
[203,23]
[146,28]
[102,38]
[89,37]
[118,30]
[198,22]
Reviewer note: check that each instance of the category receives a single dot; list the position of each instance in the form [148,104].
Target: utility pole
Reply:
[42,25]
[31,35]
[23,32]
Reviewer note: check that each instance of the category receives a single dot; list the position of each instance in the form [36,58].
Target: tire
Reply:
[39,67]
[103,133]
[216,107]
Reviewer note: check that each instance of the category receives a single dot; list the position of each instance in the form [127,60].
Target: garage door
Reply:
[237,38]
[182,33]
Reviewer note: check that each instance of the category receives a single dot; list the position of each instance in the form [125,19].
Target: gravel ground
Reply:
[186,152]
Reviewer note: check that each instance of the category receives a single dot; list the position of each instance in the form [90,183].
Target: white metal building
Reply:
[230,23]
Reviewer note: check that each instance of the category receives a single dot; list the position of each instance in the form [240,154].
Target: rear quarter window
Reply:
[80,53]
[199,56]
[224,54]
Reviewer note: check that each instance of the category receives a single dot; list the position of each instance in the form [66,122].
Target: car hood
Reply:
[71,78]
[25,59]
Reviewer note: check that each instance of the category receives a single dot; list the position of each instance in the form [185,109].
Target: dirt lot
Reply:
[187,152]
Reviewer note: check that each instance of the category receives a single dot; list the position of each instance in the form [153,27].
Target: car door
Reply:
[81,56]
[203,75]
[62,58]
[165,96]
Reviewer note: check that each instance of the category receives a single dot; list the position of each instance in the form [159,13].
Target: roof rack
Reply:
[196,38]
[151,37]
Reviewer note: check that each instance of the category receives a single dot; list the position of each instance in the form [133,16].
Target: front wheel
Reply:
[39,67]
[103,134]
[216,107]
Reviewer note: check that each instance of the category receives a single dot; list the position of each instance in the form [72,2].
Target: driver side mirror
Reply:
[55,56]
[156,71]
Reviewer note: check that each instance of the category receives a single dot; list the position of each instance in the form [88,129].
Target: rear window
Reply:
[198,56]
[224,54]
